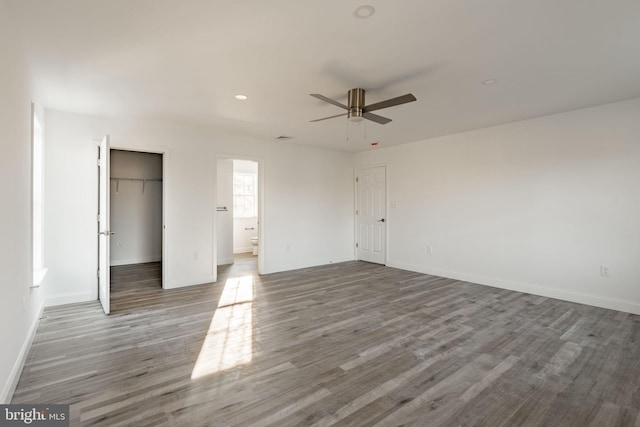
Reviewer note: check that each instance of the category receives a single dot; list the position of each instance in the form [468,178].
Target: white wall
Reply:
[307,208]
[224,224]
[537,206]
[136,215]
[245,166]
[20,307]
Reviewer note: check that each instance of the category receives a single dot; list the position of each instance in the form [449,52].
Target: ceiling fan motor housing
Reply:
[356,104]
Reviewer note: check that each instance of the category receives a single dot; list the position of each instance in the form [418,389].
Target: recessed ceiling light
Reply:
[363,12]
[241,97]
[489,82]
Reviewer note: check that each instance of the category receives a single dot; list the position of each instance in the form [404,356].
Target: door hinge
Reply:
[356,245]
[98,162]
[356,179]
[98,273]
[357,211]
[98,217]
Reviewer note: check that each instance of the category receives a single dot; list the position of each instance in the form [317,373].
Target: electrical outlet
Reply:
[195,256]
[429,249]
[604,271]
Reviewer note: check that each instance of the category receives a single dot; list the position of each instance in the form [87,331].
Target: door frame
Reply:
[261,223]
[103,224]
[386,208]
[165,161]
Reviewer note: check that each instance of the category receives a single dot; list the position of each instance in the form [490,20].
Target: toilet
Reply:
[254,242]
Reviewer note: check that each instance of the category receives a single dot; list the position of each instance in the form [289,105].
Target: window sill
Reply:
[38,277]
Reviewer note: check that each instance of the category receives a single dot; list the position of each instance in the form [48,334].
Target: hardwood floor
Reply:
[350,344]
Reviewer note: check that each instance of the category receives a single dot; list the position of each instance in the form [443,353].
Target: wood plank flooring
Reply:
[349,344]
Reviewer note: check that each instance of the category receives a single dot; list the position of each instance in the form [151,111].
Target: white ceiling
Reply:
[184,60]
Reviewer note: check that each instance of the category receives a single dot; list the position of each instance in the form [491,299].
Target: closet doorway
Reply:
[136,215]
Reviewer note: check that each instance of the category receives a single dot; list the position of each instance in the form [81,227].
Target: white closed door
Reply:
[104,234]
[371,215]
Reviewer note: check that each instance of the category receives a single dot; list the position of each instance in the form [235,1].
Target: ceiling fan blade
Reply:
[329,100]
[330,117]
[390,102]
[376,118]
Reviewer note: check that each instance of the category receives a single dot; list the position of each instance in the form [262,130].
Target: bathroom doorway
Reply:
[238,210]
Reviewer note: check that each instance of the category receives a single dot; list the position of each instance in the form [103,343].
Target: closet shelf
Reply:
[135,179]
[143,180]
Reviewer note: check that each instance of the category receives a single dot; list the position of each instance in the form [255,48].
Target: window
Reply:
[37,199]
[244,195]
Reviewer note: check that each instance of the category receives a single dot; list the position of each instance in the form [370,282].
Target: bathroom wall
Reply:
[241,235]
[244,228]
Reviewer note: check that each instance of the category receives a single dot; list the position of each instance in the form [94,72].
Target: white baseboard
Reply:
[529,288]
[190,282]
[139,260]
[310,263]
[243,250]
[225,261]
[16,371]
[69,299]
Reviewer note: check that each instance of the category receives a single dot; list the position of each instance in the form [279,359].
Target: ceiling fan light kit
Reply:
[358,111]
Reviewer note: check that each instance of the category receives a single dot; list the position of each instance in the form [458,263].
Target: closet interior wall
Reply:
[136,207]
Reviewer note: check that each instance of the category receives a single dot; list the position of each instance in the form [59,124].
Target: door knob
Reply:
[381,220]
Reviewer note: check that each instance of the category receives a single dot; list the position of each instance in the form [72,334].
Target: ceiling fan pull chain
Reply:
[347,130]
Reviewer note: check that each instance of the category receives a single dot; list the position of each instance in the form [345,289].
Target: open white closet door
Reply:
[104,234]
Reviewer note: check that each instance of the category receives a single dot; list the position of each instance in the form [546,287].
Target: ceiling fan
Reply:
[357,111]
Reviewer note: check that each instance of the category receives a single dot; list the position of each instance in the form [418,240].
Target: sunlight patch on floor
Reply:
[229,340]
